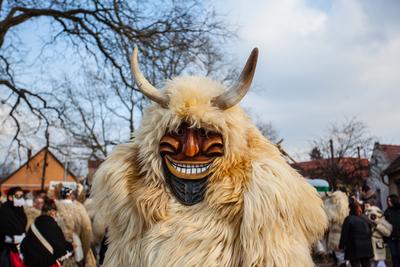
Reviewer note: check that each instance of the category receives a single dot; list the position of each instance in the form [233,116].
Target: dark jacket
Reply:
[356,238]
[12,222]
[34,252]
[392,215]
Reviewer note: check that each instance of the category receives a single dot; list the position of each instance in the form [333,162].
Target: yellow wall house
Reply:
[30,175]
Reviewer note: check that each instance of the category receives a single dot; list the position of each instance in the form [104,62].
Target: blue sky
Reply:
[321,62]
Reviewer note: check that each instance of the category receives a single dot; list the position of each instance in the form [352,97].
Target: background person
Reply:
[12,227]
[77,228]
[355,238]
[392,215]
[34,250]
[381,228]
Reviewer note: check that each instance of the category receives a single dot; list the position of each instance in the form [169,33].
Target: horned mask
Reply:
[188,152]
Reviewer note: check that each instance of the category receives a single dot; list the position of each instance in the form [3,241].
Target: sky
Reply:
[321,62]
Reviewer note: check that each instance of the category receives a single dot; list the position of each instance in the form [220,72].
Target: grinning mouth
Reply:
[188,170]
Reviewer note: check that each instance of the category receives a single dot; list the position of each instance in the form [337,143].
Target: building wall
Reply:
[379,163]
[29,176]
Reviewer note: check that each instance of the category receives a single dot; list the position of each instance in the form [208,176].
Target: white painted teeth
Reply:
[190,168]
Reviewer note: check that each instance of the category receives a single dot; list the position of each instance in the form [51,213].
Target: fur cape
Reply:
[336,206]
[257,210]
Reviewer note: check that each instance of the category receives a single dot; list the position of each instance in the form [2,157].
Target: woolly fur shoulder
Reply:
[337,207]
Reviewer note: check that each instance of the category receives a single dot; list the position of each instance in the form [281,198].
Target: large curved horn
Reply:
[238,91]
[144,86]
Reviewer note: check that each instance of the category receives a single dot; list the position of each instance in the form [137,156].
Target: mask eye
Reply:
[179,132]
[202,132]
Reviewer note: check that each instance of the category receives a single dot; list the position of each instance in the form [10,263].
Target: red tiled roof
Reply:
[313,167]
[391,151]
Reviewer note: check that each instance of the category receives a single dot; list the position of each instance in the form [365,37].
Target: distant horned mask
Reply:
[188,153]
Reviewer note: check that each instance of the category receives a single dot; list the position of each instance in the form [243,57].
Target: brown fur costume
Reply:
[336,206]
[257,210]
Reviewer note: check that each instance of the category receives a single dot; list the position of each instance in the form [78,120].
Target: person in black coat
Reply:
[356,237]
[392,215]
[54,249]
[12,227]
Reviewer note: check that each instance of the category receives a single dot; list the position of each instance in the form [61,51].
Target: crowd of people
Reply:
[60,228]
[52,229]
[360,233]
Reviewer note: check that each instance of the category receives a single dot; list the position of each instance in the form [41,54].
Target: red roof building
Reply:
[34,174]
[345,170]
[391,152]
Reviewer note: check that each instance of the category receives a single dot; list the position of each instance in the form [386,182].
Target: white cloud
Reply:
[321,65]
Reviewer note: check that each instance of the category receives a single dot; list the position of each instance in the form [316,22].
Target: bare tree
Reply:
[268,130]
[89,120]
[174,37]
[340,156]
[350,139]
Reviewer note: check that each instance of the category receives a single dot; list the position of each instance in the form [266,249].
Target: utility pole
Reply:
[332,171]
[46,151]
[331,148]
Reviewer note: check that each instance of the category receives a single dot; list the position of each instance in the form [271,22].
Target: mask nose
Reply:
[191,146]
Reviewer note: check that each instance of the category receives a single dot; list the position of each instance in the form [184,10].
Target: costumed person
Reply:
[392,215]
[76,226]
[199,185]
[355,238]
[12,227]
[45,244]
[381,229]
[336,206]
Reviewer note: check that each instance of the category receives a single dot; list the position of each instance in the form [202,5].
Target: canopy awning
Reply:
[320,184]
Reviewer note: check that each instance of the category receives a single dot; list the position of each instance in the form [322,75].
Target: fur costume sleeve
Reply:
[283,215]
[130,209]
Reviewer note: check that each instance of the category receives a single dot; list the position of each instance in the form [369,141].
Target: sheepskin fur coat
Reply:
[73,218]
[336,206]
[257,210]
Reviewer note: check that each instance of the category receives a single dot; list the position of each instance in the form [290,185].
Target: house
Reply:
[382,156]
[34,175]
[346,171]
[393,176]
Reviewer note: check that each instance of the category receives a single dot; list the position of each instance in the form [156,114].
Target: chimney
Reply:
[29,153]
